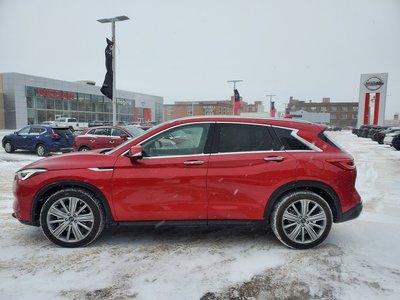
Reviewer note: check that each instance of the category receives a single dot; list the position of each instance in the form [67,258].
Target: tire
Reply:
[301,220]
[84,148]
[9,147]
[41,150]
[72,218]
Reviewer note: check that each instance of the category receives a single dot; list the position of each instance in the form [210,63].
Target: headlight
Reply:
[25,174]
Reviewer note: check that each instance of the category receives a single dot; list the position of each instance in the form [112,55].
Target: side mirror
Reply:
[135,152]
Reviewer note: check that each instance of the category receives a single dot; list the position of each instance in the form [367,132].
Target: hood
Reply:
[75,160]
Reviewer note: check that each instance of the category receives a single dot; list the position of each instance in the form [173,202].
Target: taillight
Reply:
[53,136]
[343,163]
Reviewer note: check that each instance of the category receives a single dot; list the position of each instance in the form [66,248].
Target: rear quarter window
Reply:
[288,141]
[327,139]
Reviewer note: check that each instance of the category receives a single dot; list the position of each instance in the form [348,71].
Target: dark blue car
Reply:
[40,138]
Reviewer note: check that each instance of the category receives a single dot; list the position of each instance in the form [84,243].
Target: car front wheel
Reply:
[301,220]
[8,147]
[72,217]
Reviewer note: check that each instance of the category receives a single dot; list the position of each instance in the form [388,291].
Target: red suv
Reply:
[196,171]
[105,137]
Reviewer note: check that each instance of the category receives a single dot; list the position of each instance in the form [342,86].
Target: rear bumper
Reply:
[351,213]
[22,221]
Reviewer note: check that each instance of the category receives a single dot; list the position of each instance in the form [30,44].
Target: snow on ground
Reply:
[359,260]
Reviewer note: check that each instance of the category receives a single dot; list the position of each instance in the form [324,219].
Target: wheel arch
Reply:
[317,187]
[49,189]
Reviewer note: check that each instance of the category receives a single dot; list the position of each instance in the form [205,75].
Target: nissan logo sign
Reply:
[373,83]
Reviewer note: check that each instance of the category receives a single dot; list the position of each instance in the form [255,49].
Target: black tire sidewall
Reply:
[285,203]
[11,147]
[94,205]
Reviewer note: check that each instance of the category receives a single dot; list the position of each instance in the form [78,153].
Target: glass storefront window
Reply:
[73,105]
[50,104]
[44,104]
[65,104]
[40,103]
[58,104]
[29,102]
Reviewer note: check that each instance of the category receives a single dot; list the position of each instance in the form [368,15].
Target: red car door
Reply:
[244,172]
[168,183]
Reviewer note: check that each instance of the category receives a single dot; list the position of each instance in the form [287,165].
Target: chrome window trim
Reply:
[293,133]
[177,156]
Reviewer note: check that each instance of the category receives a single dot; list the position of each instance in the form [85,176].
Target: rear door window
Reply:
[103,131]
[36,130]
[243,137]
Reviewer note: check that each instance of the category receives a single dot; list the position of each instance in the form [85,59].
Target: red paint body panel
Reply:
[160,189]
[239,185]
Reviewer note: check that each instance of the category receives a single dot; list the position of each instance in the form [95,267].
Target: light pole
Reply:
[234,88]
[114,98]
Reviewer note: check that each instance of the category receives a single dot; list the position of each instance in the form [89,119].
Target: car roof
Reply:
[283,122]
[53,126]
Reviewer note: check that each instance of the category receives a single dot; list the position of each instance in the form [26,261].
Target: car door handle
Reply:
[274,158]
[193,162]
[112,142]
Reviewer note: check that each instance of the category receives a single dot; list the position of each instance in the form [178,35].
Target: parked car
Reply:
[40,138]
[389,137]
[104,137]
[380,135]
[364,130]
[72,123]
[396,142]
[196,171]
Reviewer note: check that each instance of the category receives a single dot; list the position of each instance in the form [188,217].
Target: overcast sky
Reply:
[186,50]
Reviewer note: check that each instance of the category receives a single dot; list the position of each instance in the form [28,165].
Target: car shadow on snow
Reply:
[191,235]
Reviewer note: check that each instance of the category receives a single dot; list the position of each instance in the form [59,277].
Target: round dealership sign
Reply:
[373,83]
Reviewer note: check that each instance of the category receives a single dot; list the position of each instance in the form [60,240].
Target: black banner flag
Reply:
[237,102]
[107,88]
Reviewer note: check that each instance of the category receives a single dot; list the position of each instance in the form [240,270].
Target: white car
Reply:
[389,137]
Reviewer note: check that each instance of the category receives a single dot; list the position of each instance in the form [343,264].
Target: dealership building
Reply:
[27,99]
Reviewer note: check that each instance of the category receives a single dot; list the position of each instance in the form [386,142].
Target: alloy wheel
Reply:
[304,221]
[70,219]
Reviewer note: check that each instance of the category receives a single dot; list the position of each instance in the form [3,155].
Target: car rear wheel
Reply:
[72,218]
[41,150]
[8,147]
[301,220]
[84,148]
